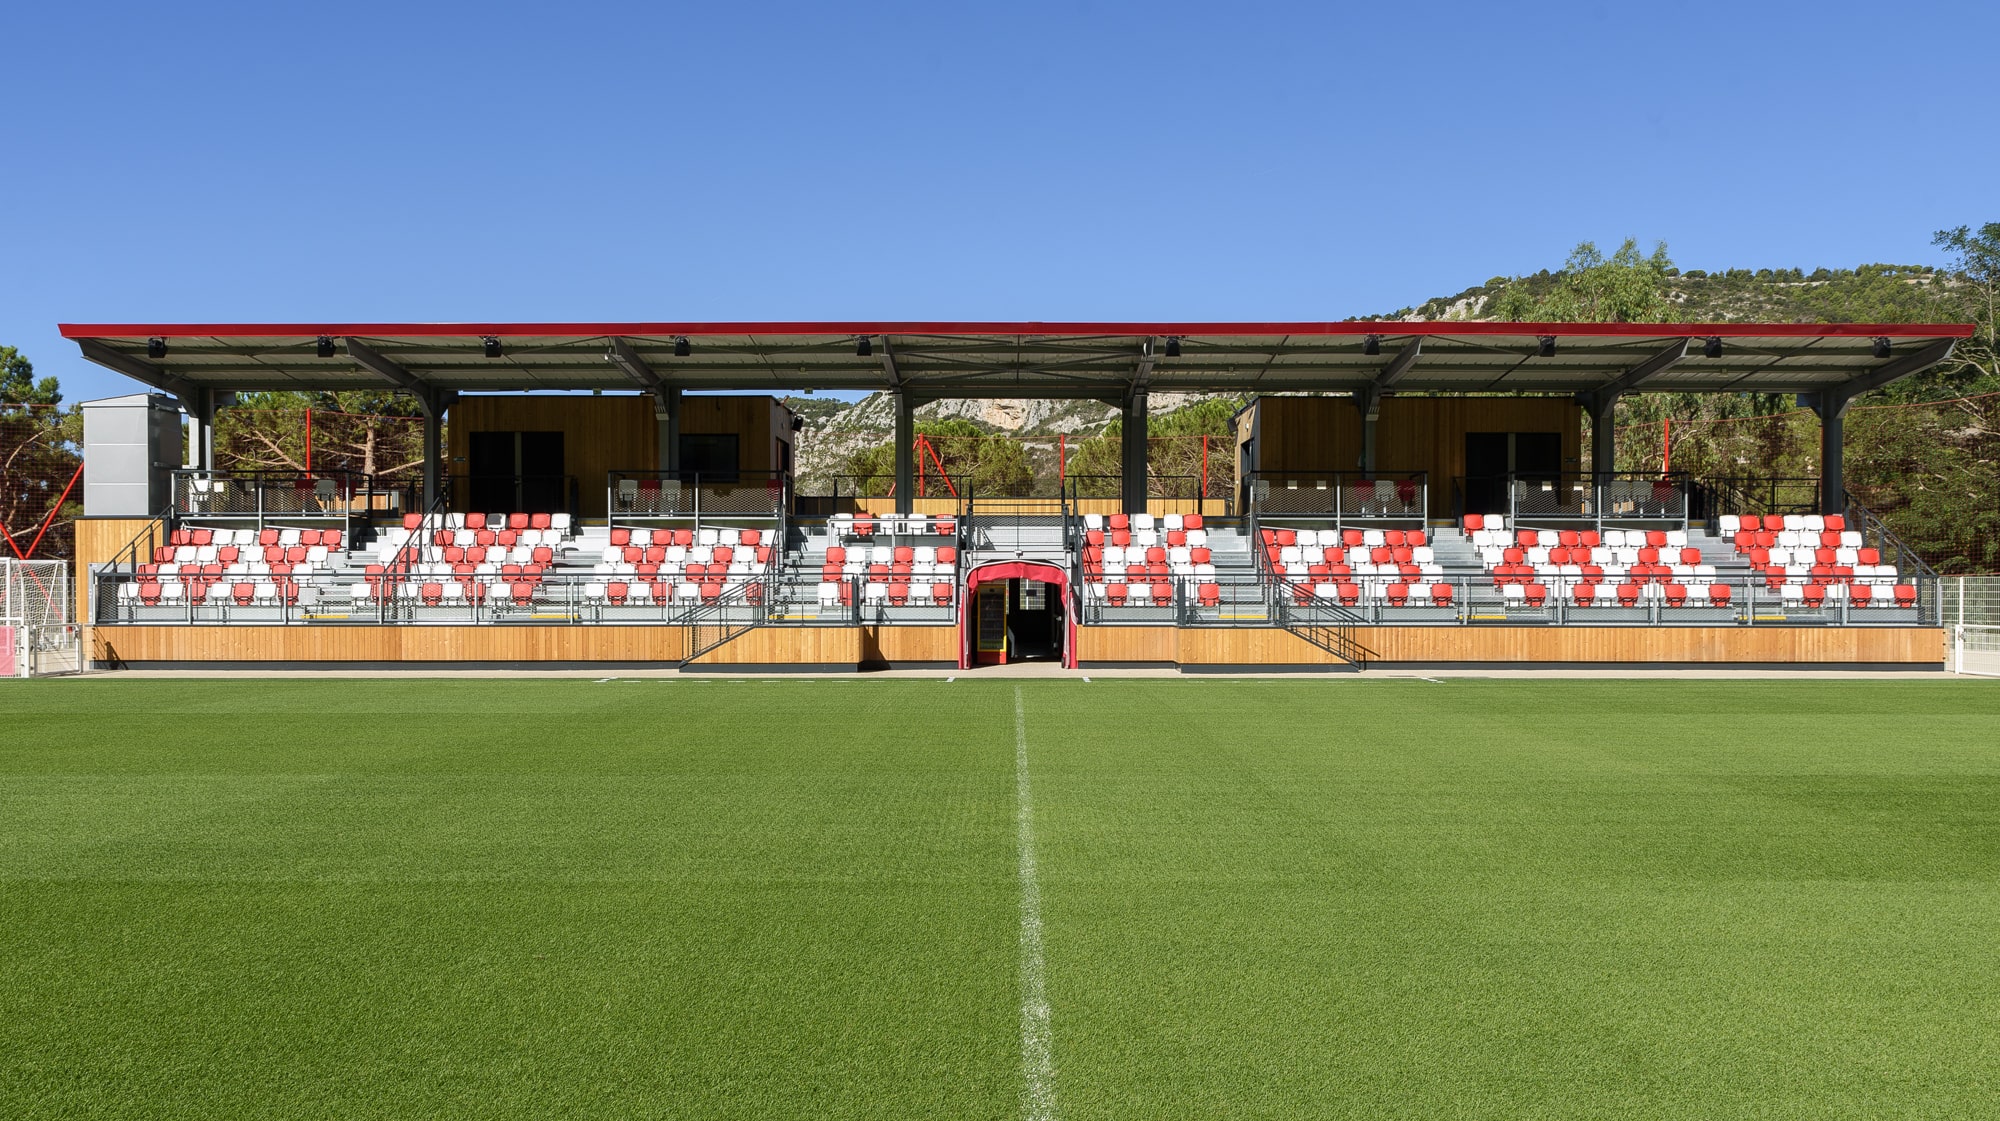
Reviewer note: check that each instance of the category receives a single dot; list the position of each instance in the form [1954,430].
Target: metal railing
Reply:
[1475,600]
[1368,498]
[258,495]
[1892,548]
[1573,498]
[1212,495]
[635,495]
[1711,497]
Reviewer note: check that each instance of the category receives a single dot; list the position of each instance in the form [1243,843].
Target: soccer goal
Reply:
[1971,607]
[37,635]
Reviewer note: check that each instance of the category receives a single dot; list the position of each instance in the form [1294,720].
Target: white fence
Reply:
[37,635]
[1971,612]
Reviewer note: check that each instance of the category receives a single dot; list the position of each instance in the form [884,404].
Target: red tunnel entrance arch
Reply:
[1013,570]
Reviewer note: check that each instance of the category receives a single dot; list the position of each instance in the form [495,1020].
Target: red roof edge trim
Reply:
[973,329]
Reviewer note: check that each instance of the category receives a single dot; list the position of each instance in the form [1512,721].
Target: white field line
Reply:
[1038,1068]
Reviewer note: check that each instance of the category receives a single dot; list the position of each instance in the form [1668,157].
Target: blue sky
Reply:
[257,161]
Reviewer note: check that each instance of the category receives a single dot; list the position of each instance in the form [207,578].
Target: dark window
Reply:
[711,456]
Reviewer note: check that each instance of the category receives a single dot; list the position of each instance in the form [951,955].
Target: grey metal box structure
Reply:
[131,445]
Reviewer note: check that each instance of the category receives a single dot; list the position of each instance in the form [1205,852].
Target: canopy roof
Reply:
[1092,360]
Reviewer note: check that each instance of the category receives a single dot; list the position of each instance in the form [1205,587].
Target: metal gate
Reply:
[1971,609]
[37,636]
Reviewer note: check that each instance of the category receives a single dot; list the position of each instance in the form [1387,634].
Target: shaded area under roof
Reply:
[1106,361]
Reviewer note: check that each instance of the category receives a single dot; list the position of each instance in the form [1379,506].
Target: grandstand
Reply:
[1401,494]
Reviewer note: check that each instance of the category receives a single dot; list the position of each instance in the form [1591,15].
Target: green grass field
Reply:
[1366,899]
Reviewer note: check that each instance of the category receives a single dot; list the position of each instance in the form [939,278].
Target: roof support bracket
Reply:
[433,400]
[1599,401]
[1834,399]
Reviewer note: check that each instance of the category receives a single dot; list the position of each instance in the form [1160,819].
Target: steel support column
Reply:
[1832,477]
[1603,448]
[433,456]
[1132,454]
[906,458]
[667,412]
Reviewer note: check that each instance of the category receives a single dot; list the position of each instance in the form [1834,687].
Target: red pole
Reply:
[1062,458]
[53,511]
[309,439]
[1666,444]
[1204,466]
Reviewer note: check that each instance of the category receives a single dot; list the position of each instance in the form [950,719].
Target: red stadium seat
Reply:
[621,537]
[1210,595]
[1475,522]
[1441,595]
[941,594]
[1191,521]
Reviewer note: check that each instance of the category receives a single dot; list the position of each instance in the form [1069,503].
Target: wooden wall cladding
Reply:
[1412,433]
[388,644]
[600,435]
[98,540]
[907,645]
[1200,646]
[1612,645]
[804,646]
[1128,644]
[1248,646]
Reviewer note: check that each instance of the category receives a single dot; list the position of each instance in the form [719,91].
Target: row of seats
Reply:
[199,536]
[1349,593]
[1730,524]
[1344,538]
[901,593]
[1579,538]
[686,538]
[845,526]
[1160,522]
[515,521]
[240,593]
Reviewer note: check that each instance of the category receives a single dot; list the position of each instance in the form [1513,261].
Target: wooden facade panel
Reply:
[620,432]
[1230,646]
[1411,434]
[600,435]
[808,646]
[1128,644]
[1193,646]
[98,541]
[389,644]
[902,645]
[1908,645]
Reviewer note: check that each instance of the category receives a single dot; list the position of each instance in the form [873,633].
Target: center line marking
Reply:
[1038,1068]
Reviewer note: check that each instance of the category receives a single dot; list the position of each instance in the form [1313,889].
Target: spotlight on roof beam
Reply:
[1547,349]
[156,347]
[490,346]
[1881,347]
[1173,346]
[1712,348]
[864,346]
[1372,345]
[324,347]
[681,347]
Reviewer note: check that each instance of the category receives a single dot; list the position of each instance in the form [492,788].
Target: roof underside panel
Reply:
[999,360]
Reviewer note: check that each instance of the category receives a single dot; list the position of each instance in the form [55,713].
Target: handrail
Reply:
[1337,640]
[709,625]
[1866,523]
